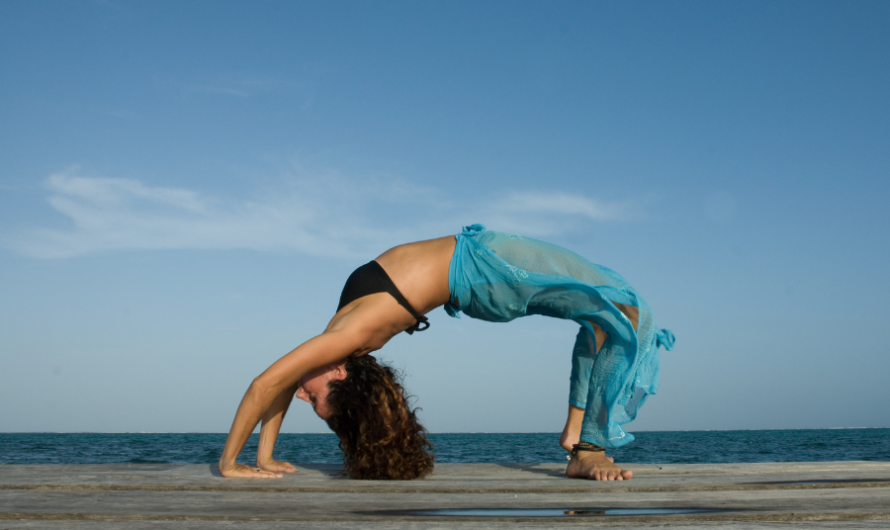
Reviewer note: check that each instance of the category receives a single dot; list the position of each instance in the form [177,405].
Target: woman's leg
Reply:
[571,433]
[583,356]
[586,464]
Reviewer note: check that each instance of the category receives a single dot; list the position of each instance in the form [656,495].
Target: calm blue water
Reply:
[669,447]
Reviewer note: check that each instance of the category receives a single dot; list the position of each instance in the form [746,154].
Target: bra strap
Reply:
[400,298]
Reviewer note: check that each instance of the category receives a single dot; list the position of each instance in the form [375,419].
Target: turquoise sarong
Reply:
[499,277]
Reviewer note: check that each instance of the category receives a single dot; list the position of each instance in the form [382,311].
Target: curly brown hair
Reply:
[379,433]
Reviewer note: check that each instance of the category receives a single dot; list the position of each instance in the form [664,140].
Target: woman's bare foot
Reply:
[276,466]
[596,466]
[242,471]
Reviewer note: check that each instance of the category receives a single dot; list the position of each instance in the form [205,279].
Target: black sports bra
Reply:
[370,278]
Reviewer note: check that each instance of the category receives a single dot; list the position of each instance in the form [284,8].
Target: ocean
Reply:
[663,447]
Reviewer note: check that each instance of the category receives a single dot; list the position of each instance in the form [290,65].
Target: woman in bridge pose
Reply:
[486,275]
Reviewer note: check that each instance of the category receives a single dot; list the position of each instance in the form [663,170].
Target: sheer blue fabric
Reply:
[499,277]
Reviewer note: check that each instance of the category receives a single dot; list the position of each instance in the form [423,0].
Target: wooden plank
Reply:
[847,494]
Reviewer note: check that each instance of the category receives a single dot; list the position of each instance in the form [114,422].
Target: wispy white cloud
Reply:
[326,215]
[543,213]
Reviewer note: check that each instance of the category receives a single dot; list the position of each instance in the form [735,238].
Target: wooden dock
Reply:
[749,496]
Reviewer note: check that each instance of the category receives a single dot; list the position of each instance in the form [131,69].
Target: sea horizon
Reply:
[649,447]
[449,432]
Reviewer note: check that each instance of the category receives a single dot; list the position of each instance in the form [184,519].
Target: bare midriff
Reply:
[420,271]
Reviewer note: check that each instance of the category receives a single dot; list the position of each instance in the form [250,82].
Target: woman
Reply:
[486,275]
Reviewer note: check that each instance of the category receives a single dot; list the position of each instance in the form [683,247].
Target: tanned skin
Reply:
[420,271]
[589,464]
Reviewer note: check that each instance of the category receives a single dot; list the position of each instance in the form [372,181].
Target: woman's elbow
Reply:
[261,389]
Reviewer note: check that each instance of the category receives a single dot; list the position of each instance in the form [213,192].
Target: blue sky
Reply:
[184,188]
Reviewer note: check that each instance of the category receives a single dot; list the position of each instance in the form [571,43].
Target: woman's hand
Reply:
[282,377]
[275,466]
[242,471]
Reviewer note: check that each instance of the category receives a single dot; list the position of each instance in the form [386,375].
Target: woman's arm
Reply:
[271,425]
[329,347]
